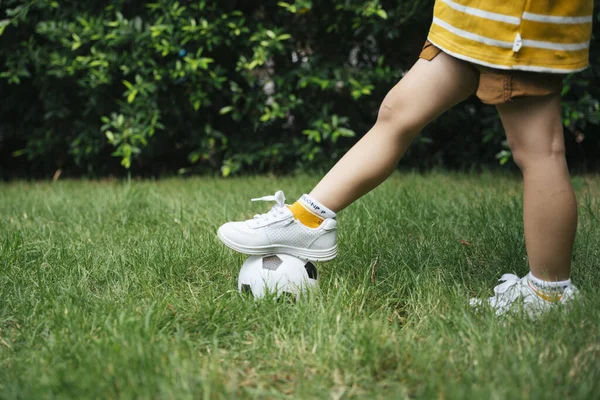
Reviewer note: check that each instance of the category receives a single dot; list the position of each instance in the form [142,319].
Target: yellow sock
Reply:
[306,217]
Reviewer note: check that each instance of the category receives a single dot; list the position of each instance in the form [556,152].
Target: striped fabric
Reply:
[528,35]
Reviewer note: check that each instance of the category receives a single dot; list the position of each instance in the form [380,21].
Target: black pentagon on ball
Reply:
[287,297]
[246,288]
[311,270]
[271,262]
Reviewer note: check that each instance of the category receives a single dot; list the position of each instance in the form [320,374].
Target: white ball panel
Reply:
[277,274]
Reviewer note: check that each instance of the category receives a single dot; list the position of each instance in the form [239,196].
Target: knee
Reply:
[386,113]
[527,155]
[396,118]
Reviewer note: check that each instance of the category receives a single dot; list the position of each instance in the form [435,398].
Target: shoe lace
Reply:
[507,292]
[277,210]
[509,280]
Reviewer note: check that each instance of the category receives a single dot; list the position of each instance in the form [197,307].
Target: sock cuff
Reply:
[315,207]
[548,284]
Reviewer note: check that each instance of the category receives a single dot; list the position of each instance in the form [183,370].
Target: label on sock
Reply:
[549,291]
[315,207]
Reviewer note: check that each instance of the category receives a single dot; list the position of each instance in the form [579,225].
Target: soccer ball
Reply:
[277,274]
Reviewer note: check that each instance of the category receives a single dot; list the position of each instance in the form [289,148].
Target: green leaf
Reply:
[126,162]
[131,96]
[335,121]
[3,24]
[128,84]
[289,7]
[382,14]
[203,62]
[346,132]
[14,12]
[225,171]
[253,64]
[194,157]
[226,110]
[503,156]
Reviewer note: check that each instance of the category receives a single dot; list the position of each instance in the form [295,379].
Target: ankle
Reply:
[545,278]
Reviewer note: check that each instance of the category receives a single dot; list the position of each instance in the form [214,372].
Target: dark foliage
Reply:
[97,88]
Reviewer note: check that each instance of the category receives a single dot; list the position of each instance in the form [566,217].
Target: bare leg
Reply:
[535,135]
[427,90]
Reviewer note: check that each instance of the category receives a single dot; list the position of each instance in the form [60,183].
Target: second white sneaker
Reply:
[279,232]
[515,290]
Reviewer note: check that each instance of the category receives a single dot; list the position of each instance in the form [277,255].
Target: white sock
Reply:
[547,289]
[316,207]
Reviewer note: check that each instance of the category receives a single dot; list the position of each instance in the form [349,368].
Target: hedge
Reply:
[99,88]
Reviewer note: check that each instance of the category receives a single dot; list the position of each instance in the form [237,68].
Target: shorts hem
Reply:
[528,68]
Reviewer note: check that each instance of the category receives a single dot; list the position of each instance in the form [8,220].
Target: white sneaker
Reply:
[279,232]
[515,289]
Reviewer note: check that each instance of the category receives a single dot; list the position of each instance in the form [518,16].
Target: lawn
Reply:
[119,290]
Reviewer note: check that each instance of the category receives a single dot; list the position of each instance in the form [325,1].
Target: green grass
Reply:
[116,290]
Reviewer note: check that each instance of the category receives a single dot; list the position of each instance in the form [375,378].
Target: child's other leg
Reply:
[427,90]
[535,135]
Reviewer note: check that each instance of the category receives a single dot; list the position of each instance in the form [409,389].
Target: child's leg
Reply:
[428,89]
[535,135]
[308,228]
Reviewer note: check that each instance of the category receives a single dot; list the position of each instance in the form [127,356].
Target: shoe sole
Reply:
[304,254]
